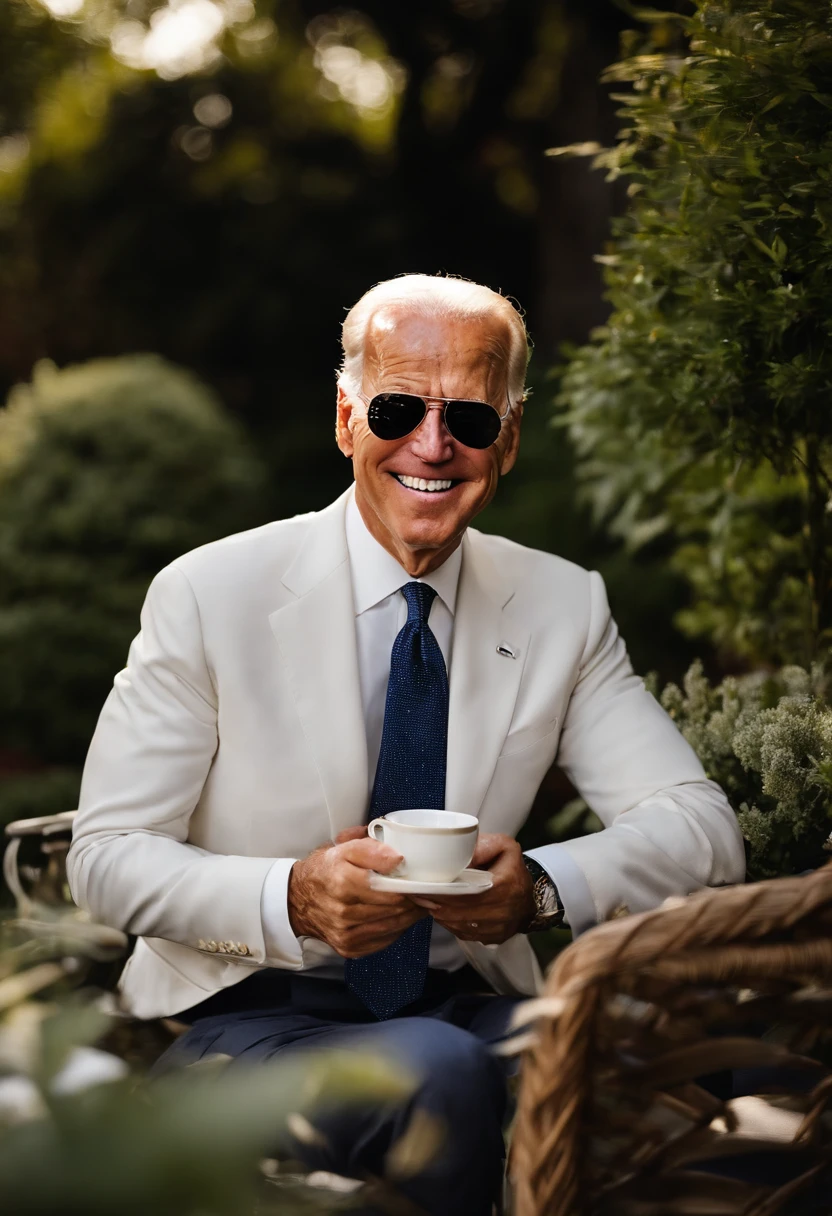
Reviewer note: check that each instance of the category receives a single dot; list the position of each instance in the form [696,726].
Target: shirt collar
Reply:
[376,574]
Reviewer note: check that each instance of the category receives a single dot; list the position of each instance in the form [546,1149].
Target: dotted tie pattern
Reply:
[410,773]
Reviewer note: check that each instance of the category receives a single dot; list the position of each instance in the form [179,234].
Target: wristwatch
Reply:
[549,911]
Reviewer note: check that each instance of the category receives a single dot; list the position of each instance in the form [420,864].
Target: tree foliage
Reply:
[225,209]
[702,407]
[108,471]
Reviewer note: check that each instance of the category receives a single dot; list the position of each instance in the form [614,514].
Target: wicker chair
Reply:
[34,861]
[678,1062]
[34,871]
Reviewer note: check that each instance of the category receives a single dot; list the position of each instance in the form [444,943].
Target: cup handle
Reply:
[371,830]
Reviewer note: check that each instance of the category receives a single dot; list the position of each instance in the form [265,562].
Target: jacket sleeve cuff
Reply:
[571,883]
[282,947]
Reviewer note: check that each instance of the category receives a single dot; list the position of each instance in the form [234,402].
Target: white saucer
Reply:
[469,882]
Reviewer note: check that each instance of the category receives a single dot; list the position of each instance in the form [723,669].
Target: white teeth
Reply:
[419,483]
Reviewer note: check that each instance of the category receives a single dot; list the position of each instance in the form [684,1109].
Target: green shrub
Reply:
[108,471]
[767,740]
[702,407]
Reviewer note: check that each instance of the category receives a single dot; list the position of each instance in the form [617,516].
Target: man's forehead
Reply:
[400,330]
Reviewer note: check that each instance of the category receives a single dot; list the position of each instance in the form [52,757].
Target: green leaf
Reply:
[775,101]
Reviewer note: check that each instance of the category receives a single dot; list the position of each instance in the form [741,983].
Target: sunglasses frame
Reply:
[446,401]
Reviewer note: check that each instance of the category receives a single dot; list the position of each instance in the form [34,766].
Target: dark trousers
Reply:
[444,1039]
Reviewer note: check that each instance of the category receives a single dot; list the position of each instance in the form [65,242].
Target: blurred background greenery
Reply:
[84,1133]
[192,194]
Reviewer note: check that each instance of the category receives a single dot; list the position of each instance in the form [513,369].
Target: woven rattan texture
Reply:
[612,1119]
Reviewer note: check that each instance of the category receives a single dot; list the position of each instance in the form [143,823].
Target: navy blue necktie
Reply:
[410,773]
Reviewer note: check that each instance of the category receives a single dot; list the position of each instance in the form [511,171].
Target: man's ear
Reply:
[512,442]
[343,417]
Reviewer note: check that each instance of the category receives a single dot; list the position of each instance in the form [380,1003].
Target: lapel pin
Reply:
[508,652]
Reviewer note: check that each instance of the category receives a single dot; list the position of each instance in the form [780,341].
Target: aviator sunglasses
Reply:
[474,424]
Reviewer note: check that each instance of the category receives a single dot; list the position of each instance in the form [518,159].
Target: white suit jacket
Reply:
[235,736]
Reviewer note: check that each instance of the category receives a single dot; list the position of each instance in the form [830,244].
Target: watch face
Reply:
[547,906]
[546,899]
[549,911]
[549,902]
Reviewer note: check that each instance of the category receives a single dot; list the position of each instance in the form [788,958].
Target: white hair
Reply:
[433,296]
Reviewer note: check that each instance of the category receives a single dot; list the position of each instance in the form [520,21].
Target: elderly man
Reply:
[263,719]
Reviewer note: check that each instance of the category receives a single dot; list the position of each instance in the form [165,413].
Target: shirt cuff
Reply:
[571,883]
[282,947]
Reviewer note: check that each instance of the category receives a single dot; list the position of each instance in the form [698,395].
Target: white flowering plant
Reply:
[766,738]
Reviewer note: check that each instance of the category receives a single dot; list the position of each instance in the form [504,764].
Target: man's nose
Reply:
[431,441]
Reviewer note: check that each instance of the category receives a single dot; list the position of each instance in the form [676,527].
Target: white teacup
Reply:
[436,845]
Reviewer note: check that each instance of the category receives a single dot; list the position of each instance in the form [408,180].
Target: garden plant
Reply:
[700,410]
[81,1134]
[108,471]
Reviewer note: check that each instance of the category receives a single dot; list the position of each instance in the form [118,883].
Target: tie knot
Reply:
[419,597]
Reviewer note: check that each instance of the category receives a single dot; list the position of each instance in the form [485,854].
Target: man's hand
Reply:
[498,913]
[330,896]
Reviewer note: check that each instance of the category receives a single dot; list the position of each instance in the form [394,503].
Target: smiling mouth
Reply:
[426,485]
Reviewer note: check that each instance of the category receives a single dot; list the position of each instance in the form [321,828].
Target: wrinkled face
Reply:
[432,357]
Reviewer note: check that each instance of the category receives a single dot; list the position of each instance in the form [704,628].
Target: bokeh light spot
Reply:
[63,8]
[13,151]
[197,142]
[350,64]
[182,38]
[213,110]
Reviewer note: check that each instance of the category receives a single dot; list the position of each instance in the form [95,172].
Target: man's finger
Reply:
[470,929]
[454,916]
[380,903]
[370,854]
[489,846]
[359,832]
[468,904]
[356,887]
[396,923]
[377,935]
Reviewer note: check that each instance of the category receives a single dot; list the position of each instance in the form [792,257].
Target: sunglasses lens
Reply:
[473,423]
[394,415]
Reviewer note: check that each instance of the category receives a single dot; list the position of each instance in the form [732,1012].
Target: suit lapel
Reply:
[484,683]
[316,636]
